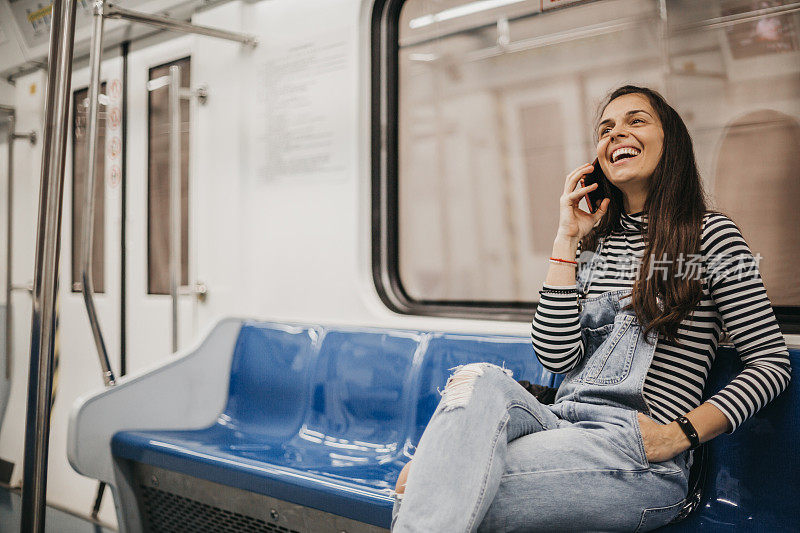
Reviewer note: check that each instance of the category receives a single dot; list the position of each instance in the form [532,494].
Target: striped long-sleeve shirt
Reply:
[734,298]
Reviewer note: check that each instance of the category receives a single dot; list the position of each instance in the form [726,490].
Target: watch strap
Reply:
[688,429]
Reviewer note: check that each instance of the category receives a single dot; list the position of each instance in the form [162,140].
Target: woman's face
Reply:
[630,141]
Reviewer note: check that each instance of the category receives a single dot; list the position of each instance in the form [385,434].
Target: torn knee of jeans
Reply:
[458,389]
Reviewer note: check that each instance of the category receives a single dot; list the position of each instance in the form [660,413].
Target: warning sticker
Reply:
[115,176]
[115,92]
[114,118]
[115,148]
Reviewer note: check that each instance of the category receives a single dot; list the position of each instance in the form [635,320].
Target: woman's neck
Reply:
[633,202]
[633,209]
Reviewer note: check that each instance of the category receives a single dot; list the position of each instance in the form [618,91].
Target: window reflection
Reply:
[496,106]
[758,184]
[80,153]
[158,182]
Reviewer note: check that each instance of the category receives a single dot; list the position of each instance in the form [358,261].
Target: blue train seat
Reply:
[325,418]
[753,478]
[446,351]
[312,416]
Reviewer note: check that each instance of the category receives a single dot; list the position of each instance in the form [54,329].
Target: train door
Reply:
[149,305]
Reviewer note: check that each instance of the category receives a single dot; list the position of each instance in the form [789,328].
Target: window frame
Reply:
[384,208]
[185,275]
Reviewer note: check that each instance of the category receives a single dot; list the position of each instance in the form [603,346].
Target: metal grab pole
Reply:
[9,249]
[48,245]
[174,195]
[87,285]
[160,21]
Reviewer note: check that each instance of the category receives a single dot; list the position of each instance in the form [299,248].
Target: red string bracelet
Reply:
[557,260]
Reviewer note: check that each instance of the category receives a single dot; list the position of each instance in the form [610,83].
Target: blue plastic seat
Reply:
[269,381]
[313,417]
[446,351]
[324,418]
[327,418]
[753,479]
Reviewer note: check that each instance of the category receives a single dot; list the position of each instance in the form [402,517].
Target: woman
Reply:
[635,331]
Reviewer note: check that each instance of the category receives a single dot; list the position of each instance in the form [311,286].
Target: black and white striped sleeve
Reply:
[556,330]
[738,291]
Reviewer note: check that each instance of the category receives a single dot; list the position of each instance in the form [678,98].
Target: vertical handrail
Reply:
[9,248]
[48,247]
[87,284]
[174,195]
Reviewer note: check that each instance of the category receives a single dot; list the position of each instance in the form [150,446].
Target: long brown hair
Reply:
[675,206]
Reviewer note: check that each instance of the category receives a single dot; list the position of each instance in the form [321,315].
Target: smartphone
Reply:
[595,198]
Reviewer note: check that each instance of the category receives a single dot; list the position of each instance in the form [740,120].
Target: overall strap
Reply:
[584,278]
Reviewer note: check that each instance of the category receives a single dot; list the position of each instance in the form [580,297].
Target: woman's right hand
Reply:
[574,222]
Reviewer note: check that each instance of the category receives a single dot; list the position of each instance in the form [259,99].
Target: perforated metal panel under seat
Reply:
[169,512]
[171,502]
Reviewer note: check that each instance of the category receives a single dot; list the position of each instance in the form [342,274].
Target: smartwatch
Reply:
[688,429]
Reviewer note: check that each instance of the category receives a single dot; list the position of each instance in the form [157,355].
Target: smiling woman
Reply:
[630,144]
[635,347]
[663,181]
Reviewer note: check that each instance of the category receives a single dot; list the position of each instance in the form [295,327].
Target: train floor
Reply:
[56,520]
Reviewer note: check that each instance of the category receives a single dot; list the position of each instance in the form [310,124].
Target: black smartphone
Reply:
[595,198]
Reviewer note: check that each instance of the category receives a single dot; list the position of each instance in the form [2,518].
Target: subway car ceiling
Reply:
[391,165]
[25,26]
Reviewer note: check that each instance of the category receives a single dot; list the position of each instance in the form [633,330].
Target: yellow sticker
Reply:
[33,88]
[40,13]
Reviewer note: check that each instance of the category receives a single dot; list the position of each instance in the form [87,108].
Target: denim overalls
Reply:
[493,458]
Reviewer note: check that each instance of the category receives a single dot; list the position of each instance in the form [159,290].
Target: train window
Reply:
[482,108]
[158,182]
[80,136]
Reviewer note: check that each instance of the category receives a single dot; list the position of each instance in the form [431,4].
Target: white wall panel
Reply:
[295,247]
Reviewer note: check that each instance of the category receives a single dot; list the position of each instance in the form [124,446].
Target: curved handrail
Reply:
[87,287]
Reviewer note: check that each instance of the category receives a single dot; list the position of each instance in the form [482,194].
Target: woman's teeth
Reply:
[617,154]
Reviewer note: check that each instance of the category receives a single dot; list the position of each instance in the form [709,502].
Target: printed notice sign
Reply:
[303,97]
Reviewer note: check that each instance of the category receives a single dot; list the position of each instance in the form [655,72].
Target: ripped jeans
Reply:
[493,458]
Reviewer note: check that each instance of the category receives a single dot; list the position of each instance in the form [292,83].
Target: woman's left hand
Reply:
[661,442]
